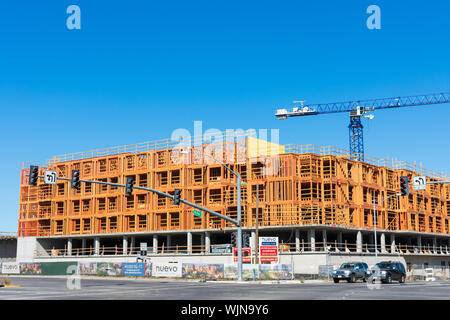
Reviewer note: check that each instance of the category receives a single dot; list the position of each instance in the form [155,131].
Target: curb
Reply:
[140,279]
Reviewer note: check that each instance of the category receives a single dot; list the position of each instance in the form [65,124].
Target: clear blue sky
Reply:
[137,70]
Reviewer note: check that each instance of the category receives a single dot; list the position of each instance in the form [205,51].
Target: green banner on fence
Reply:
[58,268]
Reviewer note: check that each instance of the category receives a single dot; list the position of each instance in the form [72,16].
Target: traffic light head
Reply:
[129,186]
[177,197]
[33,176]
[75,181]
[245,240]
[233,239]
[404,187]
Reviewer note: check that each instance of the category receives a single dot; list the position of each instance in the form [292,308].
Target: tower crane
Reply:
[358,109]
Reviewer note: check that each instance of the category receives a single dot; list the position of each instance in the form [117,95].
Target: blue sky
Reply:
[137,70]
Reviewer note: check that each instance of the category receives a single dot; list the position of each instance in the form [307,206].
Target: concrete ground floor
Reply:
[305,247]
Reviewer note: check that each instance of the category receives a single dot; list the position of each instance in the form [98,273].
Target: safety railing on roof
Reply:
[380,162]
[167,144]
[164,144]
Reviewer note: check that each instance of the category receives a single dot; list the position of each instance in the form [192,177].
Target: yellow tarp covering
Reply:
[257,147]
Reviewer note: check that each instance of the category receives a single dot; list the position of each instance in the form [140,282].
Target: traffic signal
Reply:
[245,240]
[75,181]
[404,187]
[233,239]
[33,176]
[129,186]
[176,197]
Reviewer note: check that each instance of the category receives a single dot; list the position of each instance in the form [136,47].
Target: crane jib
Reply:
[359,108]
[370,105]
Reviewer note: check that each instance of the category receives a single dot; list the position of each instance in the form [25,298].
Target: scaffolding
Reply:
[299,186]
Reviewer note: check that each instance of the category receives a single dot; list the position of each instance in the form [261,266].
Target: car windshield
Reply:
[348,266]
[383,265]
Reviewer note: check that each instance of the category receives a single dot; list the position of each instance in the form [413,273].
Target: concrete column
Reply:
[97,246]
[155,244]
[393,249]
[312,239]
[434,244]
[189,242]
[359,242]
[169,243]
[297,240]
[419,243]
[324,239]
[125,245]
[383,243]
[252,241]
[83,246]
[208,242]
[69,247]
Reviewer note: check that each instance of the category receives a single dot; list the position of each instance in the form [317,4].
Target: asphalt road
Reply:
[56,289]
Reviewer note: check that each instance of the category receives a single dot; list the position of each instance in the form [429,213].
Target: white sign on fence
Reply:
[169,269]
[268,249]
[10,268]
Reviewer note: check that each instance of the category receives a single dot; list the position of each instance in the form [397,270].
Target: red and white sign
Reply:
[246,255]
[268,249]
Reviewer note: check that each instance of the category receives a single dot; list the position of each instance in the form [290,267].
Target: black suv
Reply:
[351,272]
[388,271]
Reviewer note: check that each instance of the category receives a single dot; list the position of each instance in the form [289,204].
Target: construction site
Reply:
[315,199]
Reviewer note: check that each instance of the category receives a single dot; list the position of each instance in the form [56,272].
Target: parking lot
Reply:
[55,288]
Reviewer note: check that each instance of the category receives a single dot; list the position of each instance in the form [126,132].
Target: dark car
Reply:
[351,272]
[388,272]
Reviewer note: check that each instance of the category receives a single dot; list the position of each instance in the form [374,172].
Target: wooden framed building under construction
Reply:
[298,186]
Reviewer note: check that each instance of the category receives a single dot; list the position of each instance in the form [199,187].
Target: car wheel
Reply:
[402,279]
[352,278]
[364,279]
[336,280]
[389,279]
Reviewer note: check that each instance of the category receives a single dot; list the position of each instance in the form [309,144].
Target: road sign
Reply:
[50,177]
[197,213]
[268,249]
[420,183]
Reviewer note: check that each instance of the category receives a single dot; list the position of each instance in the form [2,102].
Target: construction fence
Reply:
[181,270]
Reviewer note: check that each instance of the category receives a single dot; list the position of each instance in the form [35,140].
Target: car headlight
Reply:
[347,271]
[383,273]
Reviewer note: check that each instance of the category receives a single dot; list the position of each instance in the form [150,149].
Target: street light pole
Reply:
[375,230]
[256,240]
[239,219]
[375,208]
[239,213]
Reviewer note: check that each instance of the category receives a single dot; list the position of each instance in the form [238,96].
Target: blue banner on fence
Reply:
[133,269]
